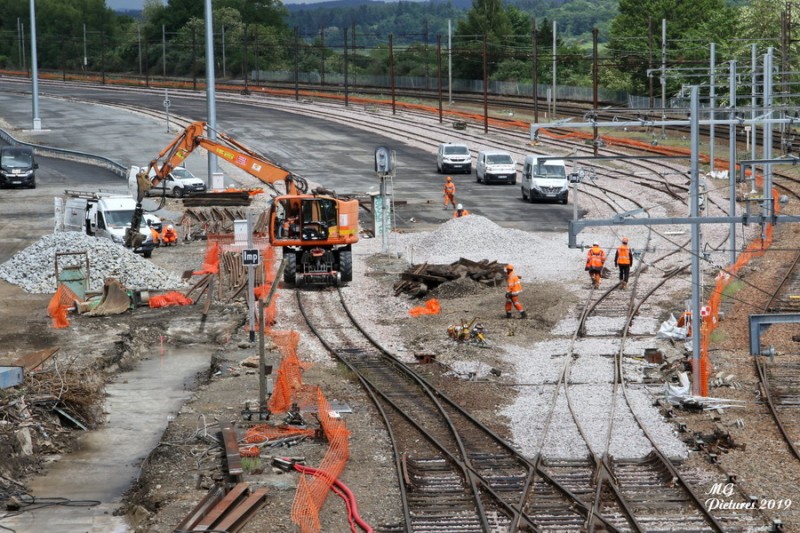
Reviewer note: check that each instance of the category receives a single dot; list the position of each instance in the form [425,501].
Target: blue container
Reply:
[10,376]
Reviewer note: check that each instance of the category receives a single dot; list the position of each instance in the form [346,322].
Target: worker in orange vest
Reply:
[595,260]
[169,236]
[623,260]
[154,234]
[449,192]
[512,292]
[460,211]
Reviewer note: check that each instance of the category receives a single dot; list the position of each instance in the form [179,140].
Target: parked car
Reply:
[453,157]
[179,183]
[544,179]
[496,166]
[17,167]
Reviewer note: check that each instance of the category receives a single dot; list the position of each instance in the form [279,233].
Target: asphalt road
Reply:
[339,157]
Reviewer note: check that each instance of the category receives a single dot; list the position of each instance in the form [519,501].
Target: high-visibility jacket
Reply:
[170,235]
[595,258]
[514,284]
[449,188]
[623,256]
[458,213]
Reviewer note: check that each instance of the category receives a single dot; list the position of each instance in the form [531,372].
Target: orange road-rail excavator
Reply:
[315,231]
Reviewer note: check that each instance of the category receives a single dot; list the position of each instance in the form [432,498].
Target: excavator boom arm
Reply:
[237,154]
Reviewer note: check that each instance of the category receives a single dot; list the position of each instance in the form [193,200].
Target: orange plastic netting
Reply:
[63,299]
[312,493]
[211,261]
[169,299]
[431,307]
[756,248]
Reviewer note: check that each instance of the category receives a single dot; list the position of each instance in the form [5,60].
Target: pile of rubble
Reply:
[33,269]
[419,279]
[475,237]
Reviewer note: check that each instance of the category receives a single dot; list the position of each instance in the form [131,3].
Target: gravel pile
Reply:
[33,268]
[534,256]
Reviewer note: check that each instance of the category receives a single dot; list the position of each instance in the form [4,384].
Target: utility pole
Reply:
[439,73]
[694,212]
[732,160]
[650,58]
[555,53]
[449,63]
[535,71]
[214,176]
[344,56]
[663,76]
[713,104]
[595,140]
[37,122]
[485,88]
[391,72]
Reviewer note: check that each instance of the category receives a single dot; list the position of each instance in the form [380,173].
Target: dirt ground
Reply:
[188,460]
[180,471]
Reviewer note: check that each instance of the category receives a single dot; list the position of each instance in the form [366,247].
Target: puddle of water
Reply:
[106,461]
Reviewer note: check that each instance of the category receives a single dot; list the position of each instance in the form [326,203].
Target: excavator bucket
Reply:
[115,300]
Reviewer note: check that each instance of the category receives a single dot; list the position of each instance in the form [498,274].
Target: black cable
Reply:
[29,503]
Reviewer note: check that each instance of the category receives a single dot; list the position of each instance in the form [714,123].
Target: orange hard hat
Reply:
[509,267]
[449,178]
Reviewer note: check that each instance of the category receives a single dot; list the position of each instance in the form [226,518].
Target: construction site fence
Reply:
[724,278]
[289,392]
[58,308]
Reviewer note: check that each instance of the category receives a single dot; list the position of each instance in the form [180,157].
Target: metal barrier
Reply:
[68,155]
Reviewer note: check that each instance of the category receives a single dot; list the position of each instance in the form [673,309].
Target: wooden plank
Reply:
[211,499]
[232,451]
[241,514]
[230,500]
[30,360]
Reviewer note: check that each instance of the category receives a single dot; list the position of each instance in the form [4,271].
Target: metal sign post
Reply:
[166,106]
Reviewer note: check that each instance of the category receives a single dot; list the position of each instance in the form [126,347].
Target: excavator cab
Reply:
[315,233]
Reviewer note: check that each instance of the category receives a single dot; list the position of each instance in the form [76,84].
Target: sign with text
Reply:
[250,257]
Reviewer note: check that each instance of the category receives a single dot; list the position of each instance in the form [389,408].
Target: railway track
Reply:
[456,473]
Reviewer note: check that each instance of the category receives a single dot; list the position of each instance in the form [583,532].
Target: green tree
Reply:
[691,26]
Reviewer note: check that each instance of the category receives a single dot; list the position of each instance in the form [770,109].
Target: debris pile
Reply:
[33,269]
[42,416]
[419,279]
[544,256]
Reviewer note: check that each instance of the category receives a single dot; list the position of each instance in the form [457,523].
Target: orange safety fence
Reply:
[312,493]
[169,299]
[756,248]
[211,261]
[288,386]
[62,300]
[263,433]
[431,307]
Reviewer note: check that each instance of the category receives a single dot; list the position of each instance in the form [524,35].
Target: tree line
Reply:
[504,41]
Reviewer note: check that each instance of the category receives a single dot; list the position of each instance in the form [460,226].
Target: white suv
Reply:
[453,157]
[496,165]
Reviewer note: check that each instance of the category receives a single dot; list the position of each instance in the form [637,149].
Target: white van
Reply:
[496,166]
[544,179]
[453,157]
[106,215]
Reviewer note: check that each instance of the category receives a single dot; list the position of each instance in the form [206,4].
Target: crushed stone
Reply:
[33,268]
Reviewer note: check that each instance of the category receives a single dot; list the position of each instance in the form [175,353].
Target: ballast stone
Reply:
[33,269]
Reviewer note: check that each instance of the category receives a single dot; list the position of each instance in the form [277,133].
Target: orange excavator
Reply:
[315,231]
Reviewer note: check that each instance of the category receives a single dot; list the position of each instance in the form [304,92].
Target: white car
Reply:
[453,157]
[179,183]
[497,166]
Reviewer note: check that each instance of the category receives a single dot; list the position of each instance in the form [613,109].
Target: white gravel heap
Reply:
[475,237]
[33,268]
